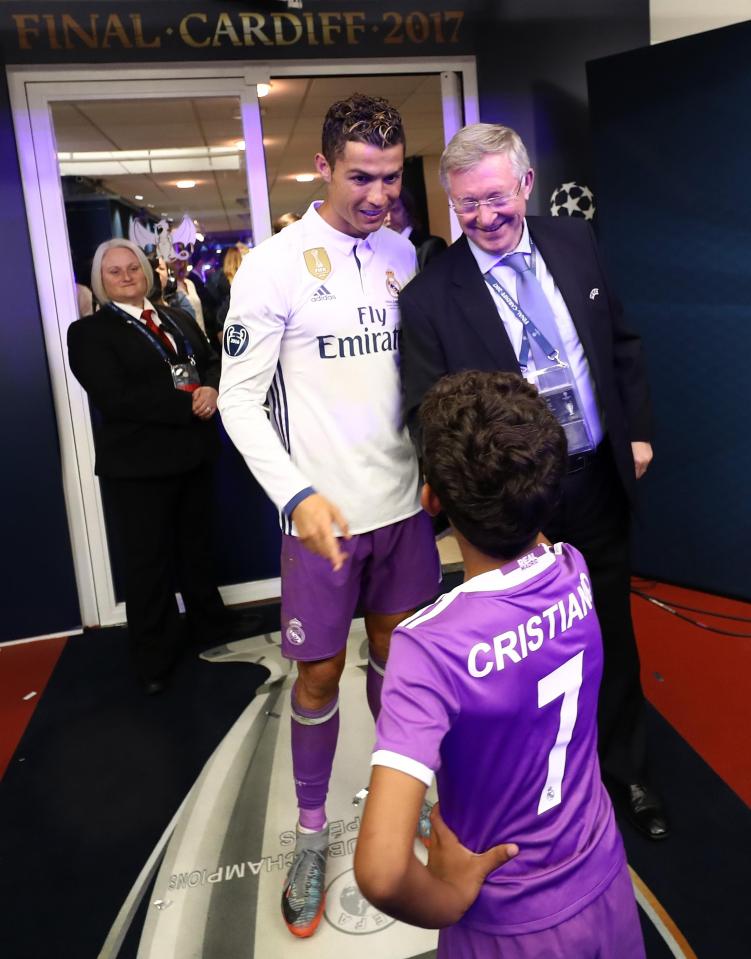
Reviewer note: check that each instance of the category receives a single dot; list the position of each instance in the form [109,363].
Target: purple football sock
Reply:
[374,682]
[314,735]
[313,819]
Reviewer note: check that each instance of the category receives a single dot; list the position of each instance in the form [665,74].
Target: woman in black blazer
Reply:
[152,376]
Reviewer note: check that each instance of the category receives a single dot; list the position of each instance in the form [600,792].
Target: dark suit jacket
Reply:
[147,427]
[450,323]
[426,246]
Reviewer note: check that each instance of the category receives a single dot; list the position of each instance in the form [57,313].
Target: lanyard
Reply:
[168,325]
[529,327]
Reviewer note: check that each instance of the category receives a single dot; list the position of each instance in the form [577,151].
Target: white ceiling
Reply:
[292,115]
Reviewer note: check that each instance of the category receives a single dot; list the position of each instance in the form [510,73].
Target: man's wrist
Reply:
[290,507]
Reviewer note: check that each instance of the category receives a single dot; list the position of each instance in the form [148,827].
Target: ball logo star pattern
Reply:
[571,199]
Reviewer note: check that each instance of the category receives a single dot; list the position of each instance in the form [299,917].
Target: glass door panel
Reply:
[292,114]
[170,173]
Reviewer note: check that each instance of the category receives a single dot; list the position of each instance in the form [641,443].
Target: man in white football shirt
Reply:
[313,326]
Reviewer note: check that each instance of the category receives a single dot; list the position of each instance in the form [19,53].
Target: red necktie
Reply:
[148,315]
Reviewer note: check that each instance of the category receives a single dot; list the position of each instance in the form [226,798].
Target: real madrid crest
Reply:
[318,262]
[392,284]
[295,632]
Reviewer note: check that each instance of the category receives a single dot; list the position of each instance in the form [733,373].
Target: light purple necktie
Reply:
[532,300]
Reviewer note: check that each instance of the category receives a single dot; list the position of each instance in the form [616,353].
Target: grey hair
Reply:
[472,143]
[97,286]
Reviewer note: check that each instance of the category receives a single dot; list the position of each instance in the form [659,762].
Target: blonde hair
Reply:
[97,286]
[231,262]
[473,143]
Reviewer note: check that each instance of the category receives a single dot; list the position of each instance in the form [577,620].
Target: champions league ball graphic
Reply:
[570,199]
[353,901]
[348,911]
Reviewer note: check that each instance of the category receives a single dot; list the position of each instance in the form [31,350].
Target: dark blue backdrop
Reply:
[672,146]
[38,585]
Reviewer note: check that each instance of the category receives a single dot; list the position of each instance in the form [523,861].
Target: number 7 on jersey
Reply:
[566,682]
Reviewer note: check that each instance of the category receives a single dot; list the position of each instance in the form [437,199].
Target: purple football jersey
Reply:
[494,689]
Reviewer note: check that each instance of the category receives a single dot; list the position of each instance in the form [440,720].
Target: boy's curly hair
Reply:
[495,456]
[361,119]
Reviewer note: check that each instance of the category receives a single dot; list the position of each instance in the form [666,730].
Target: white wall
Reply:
[670,19]
[438,212]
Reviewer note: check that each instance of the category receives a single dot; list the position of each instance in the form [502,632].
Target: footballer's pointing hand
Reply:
[315,518]
[458,867]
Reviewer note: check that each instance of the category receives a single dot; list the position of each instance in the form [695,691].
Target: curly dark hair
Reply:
[495,456]
[361,119]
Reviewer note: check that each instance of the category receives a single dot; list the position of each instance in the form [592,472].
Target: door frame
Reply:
[32,91]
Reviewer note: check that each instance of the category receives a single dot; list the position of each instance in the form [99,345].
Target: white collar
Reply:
[495,580]
[136,311]
[342,241]
[486,261]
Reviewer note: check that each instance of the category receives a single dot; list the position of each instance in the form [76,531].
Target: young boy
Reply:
[494,689]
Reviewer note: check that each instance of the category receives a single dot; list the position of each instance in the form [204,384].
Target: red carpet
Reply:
[699,680]
[24,668]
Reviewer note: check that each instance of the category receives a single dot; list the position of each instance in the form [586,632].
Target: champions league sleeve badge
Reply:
[392,284]
[236,339]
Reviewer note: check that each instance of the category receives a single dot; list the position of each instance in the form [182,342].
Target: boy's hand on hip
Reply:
[458,867]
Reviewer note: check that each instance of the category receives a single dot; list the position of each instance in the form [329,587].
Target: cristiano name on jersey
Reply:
[516,644]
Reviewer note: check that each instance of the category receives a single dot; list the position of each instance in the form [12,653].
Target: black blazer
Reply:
[426,246]
[450,323]
[147,427]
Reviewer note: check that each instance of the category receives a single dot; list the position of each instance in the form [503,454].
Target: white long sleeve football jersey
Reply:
[313,333]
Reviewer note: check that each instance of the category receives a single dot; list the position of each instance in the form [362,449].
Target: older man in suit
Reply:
[152,375]
[529,295]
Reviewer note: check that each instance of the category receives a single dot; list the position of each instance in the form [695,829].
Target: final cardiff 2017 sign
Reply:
[100,32]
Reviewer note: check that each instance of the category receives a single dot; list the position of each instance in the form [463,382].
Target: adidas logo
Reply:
[321,294]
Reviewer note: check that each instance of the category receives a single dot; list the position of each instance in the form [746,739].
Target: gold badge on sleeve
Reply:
[318,262]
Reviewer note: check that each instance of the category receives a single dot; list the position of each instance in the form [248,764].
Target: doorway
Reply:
[116,142]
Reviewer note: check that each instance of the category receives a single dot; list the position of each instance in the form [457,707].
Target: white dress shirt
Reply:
[136,312]
[570,341]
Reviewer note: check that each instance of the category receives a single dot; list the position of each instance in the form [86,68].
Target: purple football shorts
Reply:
[607,928]
[394,569]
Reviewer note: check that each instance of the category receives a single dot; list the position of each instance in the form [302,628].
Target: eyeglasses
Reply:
[466,207]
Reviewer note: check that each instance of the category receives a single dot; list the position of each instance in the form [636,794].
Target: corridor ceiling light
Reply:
[186,160]
[263,89]
[305,177]
[138,197]
[185,184]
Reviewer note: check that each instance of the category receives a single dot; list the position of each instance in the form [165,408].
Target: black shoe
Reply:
[231,628]
[242,627]
[646,812]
